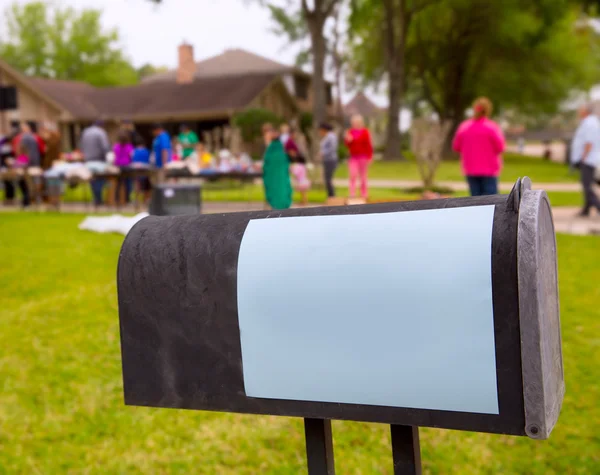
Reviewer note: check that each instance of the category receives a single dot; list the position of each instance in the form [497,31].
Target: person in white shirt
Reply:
[585,153]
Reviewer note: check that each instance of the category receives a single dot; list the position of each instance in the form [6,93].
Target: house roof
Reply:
[232,62]
[27,83]
[204,95]
[361,104]
[71,95]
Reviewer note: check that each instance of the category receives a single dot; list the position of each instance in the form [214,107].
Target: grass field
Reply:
[61,402]
[236,192]
[515,166]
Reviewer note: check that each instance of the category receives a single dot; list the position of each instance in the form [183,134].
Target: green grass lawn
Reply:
[515,166]
[61,400]
[235,192]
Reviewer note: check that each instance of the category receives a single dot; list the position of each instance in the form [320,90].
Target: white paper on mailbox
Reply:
[389,309]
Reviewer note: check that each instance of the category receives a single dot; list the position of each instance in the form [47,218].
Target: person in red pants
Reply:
[360,146]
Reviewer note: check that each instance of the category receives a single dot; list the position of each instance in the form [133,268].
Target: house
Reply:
[242,63]
[374,116]
[204,94]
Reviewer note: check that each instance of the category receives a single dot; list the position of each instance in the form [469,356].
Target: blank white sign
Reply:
[390,309]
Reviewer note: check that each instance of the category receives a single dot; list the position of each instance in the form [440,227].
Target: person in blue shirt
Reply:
[585,153]
[141,159]
[162,149]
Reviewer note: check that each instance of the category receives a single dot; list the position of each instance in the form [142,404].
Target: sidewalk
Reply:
[458,185]
[565,218]
[567,221]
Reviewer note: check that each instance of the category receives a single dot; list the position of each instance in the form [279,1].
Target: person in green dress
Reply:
[188,140]
[276,171]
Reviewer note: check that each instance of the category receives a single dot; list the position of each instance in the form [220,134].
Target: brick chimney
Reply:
[186,68]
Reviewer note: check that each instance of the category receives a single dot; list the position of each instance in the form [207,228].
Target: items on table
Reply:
[74,156]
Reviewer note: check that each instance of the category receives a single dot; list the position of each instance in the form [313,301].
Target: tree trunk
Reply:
[338,62]
[318,81]
[393,140]
[395,25]
[447,152]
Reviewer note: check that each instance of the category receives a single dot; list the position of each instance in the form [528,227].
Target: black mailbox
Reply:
[448,315]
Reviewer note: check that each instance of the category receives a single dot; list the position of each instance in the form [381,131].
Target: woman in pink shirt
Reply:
[480,143]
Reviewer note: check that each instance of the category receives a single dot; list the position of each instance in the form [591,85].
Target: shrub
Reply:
[342,151]
[250,122]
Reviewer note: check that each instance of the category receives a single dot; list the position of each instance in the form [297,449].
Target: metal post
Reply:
[319,447]
[406,450]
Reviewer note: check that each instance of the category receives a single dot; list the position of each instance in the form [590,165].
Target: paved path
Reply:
[459,185]
[565,218]
[567,221]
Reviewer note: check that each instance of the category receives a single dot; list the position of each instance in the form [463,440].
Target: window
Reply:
[301,84]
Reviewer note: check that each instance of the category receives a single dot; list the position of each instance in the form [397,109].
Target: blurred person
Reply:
[162,149]
[205,158]
[291,145]
[25,128]
[123,151]
[480,143]
[128,128]
[547,155]
[329,156]
[360,146]
[176,150]
[521,145]
[284,133]
[7,154]
[29,144]
[21,161]
[51,136]
[300,175]
[585,153]
[226,161]
[244,161]
[94,146]
[26,151]
[31,149]
[188,140]
[276,170]
[141,157]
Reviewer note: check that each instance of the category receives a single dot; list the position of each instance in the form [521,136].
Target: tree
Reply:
[427,141]
[315,19]
[250,122]
[381,28]
[149,69]
[522,54]
[63,43]
[300,21]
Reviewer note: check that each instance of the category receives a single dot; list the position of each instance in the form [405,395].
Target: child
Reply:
[205,159]
[141,159]
[177,150]
[123,150]
[300,175]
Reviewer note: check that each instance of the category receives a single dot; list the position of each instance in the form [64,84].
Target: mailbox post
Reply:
[431,313]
